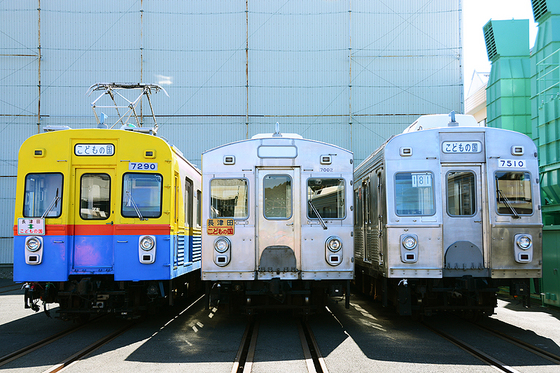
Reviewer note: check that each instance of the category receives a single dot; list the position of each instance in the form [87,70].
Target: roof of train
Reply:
[276,136]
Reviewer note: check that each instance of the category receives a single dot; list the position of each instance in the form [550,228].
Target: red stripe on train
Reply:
[103,230]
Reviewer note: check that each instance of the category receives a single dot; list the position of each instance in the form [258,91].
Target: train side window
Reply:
[95,196]
[358,207]
[461,196]
[229,198]
[277,196]
[414,194]
[141,197]
[198,208]
[189,202]
[513,193]
[328,198]
[42,191]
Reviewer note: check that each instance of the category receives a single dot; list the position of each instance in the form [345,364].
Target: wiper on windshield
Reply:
[131,201]
[52,205]
[506,202]
[317,213]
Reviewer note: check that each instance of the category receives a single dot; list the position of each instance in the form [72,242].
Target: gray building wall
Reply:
[347,72]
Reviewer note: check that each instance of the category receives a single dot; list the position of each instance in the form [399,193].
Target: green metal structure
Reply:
[545,105]
[509,86]
[523,95]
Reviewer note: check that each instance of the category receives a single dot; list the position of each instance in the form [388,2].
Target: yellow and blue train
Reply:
[106,221]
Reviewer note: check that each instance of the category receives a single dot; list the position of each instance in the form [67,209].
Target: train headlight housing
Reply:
[147,243]
[334,244]
[524,242]
[147,249]
[409,242]
[33,250]
[523,248]
[33,244]
[222,244]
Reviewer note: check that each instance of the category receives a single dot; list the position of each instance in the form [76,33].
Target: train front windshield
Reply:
[229,198]
[414,194]
[327,196]
[43,193]
[513,193]
[141,195]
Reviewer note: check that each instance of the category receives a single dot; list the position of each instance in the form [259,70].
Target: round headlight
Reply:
[222,244]
[409,242]
[524,242]
[334,244]
[33,244]
[147,243]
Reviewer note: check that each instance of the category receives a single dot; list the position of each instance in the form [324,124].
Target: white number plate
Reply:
[512,163]
[144,166]
[94,149]
[462,146]
[31,226]
[421,180]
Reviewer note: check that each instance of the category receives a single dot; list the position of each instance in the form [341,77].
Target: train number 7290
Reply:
[144,166]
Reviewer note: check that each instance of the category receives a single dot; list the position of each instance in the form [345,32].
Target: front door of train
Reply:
[278,223]
[463,242]
[93,222]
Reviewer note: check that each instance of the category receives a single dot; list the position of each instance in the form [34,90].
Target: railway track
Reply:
[10,288]
[245,356]
[487,358]
[84,352]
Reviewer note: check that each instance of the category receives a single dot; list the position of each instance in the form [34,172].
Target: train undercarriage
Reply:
[83,296]
[250,297]
[473,297]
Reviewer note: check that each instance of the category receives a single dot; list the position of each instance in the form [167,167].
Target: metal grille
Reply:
[372,246]
[490,41]
[180,250]
[359,243]
[539,8]
[197,247]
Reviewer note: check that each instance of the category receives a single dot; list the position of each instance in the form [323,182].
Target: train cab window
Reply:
[326,196]
[414,194]
[95,196]
[43,193]
[141,197]
[229,198]
[277,196]
[461,197]
[513,193]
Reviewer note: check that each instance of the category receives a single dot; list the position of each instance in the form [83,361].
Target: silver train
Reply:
[278,221]
[446,213]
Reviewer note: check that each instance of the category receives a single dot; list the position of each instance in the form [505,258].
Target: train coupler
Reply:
[31,298]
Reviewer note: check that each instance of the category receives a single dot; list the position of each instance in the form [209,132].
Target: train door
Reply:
[278,222]
[367,213]
[93,249]
[462,220]
[379,214]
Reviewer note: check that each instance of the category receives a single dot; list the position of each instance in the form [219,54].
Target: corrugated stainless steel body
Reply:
[275,235]
[475,239]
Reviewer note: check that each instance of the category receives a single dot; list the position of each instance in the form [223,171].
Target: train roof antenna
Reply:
[453,123]
[277,131]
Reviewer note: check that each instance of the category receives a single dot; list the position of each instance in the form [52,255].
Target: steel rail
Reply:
[473,351]
[244,359]
[313,358]
[34,346]
[522,344]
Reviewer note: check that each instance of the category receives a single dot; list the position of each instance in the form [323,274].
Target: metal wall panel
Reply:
[347,72]
[7,203]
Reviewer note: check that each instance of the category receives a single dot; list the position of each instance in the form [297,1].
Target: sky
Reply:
[476,13]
